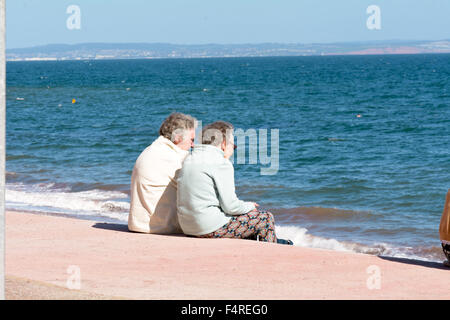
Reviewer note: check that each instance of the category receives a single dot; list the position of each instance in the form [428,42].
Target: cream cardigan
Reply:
[154,188]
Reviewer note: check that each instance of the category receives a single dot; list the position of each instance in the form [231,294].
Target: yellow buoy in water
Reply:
[73,100]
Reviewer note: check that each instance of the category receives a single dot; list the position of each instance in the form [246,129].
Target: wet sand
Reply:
[50,257]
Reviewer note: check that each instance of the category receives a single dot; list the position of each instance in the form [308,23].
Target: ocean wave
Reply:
[80,186]
[321,213]
[18,157]
[300,237]
[59,198]
[9,174]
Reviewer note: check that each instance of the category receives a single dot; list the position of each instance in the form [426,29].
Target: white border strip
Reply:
[2,144]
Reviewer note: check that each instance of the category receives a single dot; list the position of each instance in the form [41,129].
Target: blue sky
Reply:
[38,22]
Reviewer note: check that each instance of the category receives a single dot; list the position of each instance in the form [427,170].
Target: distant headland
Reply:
[89,51]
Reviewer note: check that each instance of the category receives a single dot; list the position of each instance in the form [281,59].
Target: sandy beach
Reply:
[50,257]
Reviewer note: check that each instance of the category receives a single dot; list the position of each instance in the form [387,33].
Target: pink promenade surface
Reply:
[115,262]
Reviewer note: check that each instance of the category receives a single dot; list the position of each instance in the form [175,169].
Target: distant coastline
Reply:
[105,51]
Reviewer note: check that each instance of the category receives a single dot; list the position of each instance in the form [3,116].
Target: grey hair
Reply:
[216,132]
[177,124]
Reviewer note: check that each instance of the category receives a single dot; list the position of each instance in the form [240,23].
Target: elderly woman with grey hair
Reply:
[153,181]
[207,203]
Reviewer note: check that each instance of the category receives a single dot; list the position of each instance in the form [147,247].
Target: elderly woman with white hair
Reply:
[207,203]
[153,182]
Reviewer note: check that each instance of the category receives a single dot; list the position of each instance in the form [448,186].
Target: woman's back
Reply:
[206,197]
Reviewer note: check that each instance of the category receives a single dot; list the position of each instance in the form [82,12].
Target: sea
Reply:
[359,146]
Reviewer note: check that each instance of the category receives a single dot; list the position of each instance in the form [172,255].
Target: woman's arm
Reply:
[224,182]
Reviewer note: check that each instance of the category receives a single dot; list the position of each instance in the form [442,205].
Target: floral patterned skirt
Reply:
[258,225]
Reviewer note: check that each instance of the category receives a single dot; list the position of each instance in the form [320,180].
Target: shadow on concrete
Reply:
[111,226]
[124,228]
[427,264]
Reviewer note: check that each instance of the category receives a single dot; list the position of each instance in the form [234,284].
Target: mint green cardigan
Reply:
[206,197]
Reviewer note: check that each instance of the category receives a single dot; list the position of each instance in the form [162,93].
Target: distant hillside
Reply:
[167,50]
